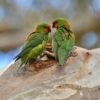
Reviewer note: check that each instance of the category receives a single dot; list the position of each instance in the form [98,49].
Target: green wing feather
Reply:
[54,48]
[65,50]
[63,42]
[30,43]
[33,41]
[56,42]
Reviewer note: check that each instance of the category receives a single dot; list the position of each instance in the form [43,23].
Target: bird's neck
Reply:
[66,30]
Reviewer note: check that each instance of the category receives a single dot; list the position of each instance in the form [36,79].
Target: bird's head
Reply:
[60,23]
[43,28]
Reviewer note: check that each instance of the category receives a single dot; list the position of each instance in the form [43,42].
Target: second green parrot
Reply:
[63,40]
[35,44]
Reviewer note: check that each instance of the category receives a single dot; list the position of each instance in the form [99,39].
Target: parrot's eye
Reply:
[55,24]
[47,29]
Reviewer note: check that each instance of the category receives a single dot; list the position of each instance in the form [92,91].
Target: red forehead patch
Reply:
[47,29]
[55,24]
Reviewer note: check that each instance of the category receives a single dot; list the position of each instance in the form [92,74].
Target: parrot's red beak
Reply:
[49,28]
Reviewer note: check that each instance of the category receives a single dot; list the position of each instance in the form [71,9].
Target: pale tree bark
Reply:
[77,80]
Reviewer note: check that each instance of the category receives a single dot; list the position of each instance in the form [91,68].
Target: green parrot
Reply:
[63,40]
[34,44]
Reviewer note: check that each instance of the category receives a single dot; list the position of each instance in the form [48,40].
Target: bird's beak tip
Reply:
[52,26]
[49,30]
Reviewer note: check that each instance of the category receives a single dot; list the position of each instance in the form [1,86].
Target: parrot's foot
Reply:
[49,54]
[74,54]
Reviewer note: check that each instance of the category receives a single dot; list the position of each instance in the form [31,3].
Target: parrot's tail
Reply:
[20,67]
[61,62]
[17,57]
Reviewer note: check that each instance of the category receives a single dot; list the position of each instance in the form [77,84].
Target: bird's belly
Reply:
[35,52]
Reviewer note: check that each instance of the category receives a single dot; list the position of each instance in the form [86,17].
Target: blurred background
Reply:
[18,18]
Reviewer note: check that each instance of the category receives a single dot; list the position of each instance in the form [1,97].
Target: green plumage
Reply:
[63,40]
[34,45]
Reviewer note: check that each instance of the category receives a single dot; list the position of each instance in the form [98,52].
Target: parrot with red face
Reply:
[34,45]
[63,40]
